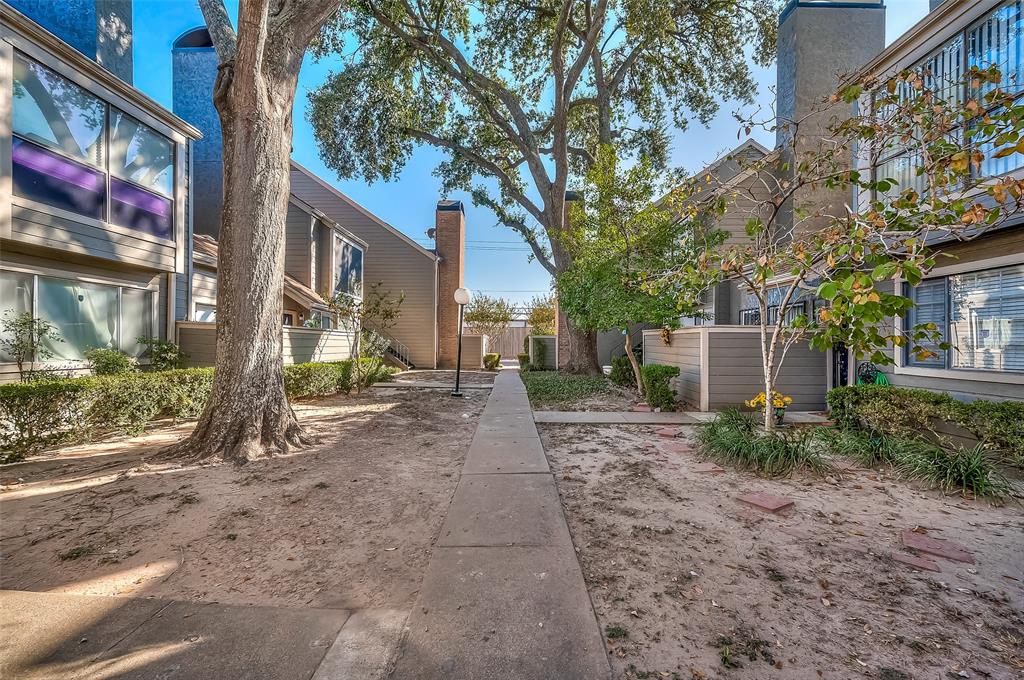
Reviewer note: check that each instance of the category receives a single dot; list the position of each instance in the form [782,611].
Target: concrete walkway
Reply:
[47,636]
[504,596]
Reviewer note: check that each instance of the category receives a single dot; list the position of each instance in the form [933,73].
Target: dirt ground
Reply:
[688,583]
[345,524]
[467,377]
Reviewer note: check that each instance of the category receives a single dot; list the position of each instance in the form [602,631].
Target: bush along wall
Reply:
[906,412]
[35,415]
[656,385]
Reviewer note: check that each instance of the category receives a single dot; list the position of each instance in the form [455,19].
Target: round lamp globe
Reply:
[462,296]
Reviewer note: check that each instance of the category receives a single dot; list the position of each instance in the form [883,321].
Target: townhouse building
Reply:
[94,183]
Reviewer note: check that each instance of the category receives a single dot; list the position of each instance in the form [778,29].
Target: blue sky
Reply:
[496,261]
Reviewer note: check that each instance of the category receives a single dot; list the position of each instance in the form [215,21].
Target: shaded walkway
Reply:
[504,596]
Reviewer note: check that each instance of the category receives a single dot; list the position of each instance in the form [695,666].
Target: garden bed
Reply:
[687,582]
[558,391]
[347,523]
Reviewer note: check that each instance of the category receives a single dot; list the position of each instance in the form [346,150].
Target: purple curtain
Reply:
[49,178]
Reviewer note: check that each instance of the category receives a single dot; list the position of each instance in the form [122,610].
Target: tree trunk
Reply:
[248,414]
[768,361]
[636,366]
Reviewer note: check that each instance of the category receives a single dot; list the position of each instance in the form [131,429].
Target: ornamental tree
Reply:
[520,95]
[622,242]
[541,319]
[833,278]
[489,316]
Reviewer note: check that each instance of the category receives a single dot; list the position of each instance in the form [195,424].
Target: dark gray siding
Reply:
[684,353]
[298,233]
[735,371]
[390,258]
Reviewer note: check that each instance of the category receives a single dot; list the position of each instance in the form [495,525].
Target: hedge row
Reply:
[35,415]
[901,412]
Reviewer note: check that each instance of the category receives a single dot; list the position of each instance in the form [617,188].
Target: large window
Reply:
[60,155]
[348,268]
[84,314]
[981,316]
[996,40]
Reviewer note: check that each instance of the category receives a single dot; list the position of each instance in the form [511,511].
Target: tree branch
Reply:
[222,33]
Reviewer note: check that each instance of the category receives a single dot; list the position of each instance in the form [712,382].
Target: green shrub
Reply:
[46,413]
[903,412]
[524,360]
[492,361]
[622,372]
[867,448]
[551,388]
[104,361]
[656,385]
[164,355]
[736,438]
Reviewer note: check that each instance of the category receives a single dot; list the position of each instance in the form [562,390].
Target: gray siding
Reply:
[735,373]
[390,258]
[180,297]
[472,351]
[550,349]
[34,227]
[298,235]
[204,286]
[684,353]
[298,345]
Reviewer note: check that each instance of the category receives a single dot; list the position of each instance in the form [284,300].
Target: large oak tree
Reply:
[248,414]
[521,93]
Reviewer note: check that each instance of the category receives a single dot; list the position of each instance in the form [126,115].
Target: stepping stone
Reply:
[915,562]
[677,448]
[707,467]
[642,408]
[668,432]
[936,546]
[765,501]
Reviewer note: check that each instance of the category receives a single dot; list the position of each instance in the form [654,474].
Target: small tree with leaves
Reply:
[541,319]
[849,267]
[622,242]
[24,339]
[368,319]
[489,316]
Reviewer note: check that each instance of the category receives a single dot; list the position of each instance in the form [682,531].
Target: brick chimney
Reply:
[450,245]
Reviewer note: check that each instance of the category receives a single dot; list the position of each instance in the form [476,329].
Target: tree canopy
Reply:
[489,315]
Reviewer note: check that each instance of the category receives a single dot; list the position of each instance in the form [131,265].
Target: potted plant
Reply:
[778,405]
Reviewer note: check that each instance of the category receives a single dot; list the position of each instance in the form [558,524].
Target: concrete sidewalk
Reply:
[504,595]
[82,637]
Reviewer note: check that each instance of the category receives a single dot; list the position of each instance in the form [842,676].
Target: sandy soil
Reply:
[347,523]
[467,377]
[689,583]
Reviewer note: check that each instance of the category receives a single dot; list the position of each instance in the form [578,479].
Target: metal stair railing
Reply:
[396,348]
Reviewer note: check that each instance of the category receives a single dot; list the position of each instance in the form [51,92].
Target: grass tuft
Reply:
[736,438]
[971,471]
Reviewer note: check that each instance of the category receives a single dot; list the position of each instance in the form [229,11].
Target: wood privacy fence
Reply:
[508,343]
[299,345]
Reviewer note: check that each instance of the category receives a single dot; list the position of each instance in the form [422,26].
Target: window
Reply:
[981,316]
[15,299]
[320,319]
[996,40]
[287,320]
[84,314]
[142,180]
[929,307]
[348,268]
[60,156]
[206,313]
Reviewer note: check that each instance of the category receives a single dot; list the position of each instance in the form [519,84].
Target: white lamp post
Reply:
[462,296]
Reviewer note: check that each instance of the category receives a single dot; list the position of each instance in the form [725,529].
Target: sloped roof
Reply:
[204,251]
